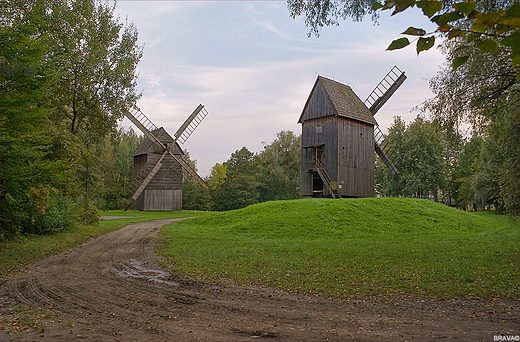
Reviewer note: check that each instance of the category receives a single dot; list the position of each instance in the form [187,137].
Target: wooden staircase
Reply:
[326,180]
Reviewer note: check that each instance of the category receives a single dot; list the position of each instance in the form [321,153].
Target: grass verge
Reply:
[353,248]
[17,254]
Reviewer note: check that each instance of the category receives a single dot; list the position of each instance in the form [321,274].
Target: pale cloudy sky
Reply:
[253,67]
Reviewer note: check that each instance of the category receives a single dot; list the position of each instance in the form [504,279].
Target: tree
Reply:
[68,73]
[484,94]
[241,184]
[484,25]
[418,149]
[217,182]
[96,57]
[465,170]
[279,174]
[194,196]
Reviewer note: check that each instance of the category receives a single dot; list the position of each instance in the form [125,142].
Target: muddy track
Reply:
[112,288]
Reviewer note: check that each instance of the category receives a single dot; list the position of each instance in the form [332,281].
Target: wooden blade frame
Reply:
[191,123]
[385,159]
[377,98]
[385,89]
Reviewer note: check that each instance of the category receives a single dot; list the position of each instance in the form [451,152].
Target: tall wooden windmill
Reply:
[339,137]
[158,163]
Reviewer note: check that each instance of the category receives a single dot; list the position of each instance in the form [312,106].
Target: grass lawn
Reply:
[352,248]
[23,251]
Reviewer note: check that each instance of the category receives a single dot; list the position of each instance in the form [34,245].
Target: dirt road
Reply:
[112,288]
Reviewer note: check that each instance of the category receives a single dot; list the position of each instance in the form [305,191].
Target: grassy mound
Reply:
[376,247]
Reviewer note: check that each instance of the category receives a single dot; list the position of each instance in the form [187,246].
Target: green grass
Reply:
[23,251]
[353,248]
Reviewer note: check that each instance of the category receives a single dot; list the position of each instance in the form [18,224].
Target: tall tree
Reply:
[194,196]
[279,174]
[97,58]
[484,94]
[240,187]
[419,152]
[68,73]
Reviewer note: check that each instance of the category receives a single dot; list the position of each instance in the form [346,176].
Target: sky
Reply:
[253,68]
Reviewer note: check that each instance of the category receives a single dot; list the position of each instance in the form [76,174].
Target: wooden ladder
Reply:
[326,180]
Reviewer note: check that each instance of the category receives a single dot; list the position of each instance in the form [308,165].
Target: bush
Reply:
[88,213]
[59,216]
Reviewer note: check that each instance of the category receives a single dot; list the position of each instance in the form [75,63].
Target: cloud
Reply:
[153,80]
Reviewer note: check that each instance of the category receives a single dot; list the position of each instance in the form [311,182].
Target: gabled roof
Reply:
[343,100]
[148,146]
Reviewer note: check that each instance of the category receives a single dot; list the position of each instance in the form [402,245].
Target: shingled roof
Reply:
[342,98]
[148,146]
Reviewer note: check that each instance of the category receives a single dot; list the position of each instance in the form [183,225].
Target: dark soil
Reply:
[112,288]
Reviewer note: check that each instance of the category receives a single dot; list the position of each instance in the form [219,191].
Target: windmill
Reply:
[340,135]
[158,163]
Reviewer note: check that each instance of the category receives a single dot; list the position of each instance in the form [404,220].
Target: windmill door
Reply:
[317,182]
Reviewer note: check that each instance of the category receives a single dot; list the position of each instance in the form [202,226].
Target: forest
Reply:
[68,73]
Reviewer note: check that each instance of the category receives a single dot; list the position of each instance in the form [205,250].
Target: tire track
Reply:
[113,288]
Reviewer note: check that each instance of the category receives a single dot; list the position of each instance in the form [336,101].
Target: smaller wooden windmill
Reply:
[339,137]
[158,163]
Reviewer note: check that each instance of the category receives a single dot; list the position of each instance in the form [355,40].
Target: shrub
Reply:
[59,216]
[88,213]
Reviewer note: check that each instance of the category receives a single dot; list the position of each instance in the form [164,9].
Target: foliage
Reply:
[486,26]
[247,178]
[279,168]
[88,213]
[352,248]
[326,13]
[97,58]
[240,188]
[67,73]
[194,196]
[418,157]
[484,94]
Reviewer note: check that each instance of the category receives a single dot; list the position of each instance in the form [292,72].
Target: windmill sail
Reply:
[385,89]
[144,124]
[377,98]
[184,132]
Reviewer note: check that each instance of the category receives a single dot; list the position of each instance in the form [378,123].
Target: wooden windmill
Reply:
[339,137]
[158,163]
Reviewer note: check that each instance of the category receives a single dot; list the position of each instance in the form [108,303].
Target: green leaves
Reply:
[488,45]
[429,8]
[458,61]
[465,7]
[398,44]
[425,43]
[414,31]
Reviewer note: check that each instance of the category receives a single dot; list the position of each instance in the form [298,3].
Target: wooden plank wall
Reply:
[164,192]
[355,158]
[162,200]
[169,176]
[328,138]
[319,105]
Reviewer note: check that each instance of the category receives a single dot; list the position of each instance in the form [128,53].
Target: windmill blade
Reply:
[385,89]
[184,132]
[380,144]
[144,124]
[190,170]
[385,159]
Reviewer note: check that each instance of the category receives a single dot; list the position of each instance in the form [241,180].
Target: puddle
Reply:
[136,269]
